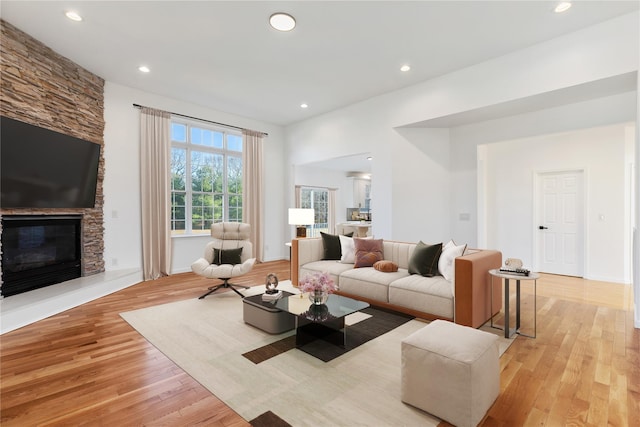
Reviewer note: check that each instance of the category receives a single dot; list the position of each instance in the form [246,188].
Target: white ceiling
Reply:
[223,54]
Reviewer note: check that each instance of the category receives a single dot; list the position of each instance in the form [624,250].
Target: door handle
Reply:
[542,227]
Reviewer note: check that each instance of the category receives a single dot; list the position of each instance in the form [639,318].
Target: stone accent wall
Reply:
[40,87]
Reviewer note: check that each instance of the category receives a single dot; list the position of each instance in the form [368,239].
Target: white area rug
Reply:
[207,338]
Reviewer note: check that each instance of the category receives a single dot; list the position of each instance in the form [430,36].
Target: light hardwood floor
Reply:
[86,366]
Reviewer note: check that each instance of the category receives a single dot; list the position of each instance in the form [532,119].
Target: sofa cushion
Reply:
[368,252]
[333,268]
[424,260]
[450,252]
[213,271]
[386,266]
[369,283]
[398,252]
[427,294]
[227,256]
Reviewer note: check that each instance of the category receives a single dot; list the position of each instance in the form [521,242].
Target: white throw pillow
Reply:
[348,249]
[449,253]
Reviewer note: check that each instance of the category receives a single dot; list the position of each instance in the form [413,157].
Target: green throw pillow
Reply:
[331,246]
[227,256]
[424,260]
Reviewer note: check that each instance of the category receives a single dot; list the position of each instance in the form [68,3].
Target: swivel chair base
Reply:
[226,284]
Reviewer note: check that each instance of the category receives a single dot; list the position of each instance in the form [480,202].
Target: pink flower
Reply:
[317,282]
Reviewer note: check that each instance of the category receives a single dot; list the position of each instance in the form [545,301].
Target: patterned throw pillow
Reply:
[386,266]
[368,252]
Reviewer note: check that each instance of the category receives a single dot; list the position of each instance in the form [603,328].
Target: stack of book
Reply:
[271,297]
[515,271]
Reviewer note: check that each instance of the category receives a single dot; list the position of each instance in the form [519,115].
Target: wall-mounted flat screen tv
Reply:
[40,168]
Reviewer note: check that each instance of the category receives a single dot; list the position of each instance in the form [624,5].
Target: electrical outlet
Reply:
[114,261]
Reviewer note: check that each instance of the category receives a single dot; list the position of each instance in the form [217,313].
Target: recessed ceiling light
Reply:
[303,105]
[369,158]
[144,69]
[282,21]
[405,68]
[74,16]
[562,6]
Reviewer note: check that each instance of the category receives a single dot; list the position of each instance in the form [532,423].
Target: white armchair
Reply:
[229,255]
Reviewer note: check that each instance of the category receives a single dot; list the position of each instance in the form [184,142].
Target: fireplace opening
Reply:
[39,250]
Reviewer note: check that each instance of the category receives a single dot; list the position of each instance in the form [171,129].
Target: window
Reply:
[206,177]
[318,200]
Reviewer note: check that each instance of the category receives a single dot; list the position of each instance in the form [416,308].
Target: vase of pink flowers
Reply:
[318,286]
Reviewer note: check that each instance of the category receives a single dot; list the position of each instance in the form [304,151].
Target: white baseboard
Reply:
[607,279]
[23,309]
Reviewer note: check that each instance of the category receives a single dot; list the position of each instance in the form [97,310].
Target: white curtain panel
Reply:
[298,195]
[253,191]
[155,151]
[331,211]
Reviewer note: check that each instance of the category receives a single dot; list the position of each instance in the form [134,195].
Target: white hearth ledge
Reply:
[20,310]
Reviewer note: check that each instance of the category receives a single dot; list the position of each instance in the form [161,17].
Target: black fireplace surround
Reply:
[39,250]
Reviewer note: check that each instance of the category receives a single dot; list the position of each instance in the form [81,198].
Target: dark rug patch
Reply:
[380,322]
[271,350]
[269,419]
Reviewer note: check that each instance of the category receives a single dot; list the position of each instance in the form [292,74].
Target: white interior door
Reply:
[560,228]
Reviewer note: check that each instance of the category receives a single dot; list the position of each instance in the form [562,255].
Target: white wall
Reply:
[122,180]
[313,176]
[421,196]
[465,140]
[599,52]
[600,153]
[636,220]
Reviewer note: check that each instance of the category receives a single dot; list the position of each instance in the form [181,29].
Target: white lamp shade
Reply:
[301,216]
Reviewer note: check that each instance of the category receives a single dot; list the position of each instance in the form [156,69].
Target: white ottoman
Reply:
[451,371]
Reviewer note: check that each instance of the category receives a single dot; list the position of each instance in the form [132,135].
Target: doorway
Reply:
[559,237]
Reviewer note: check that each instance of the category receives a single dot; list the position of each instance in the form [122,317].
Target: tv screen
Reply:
[40,168]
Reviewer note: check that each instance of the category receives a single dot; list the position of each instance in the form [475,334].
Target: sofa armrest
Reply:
[472,287]
[304,251]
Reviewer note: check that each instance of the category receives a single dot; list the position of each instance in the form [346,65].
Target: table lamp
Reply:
[301,218]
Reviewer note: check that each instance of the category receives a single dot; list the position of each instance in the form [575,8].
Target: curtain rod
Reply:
[203,120]
[315,186]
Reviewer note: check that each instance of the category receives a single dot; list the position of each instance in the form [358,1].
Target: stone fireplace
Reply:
[43,88]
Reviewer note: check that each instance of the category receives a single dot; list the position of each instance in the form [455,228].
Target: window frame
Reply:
[227,154]
[313,230]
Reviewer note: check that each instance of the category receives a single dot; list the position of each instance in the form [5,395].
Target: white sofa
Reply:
[465,300]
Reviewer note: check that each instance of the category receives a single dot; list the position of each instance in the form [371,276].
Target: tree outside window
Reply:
[318,200]
[206,177]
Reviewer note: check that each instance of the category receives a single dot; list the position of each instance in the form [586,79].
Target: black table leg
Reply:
[506,308]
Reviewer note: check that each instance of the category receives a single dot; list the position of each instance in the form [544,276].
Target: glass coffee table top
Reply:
[337,306]
[324,323]
[256,300]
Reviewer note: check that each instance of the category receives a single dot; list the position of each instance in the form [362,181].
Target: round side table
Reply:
[505,277]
